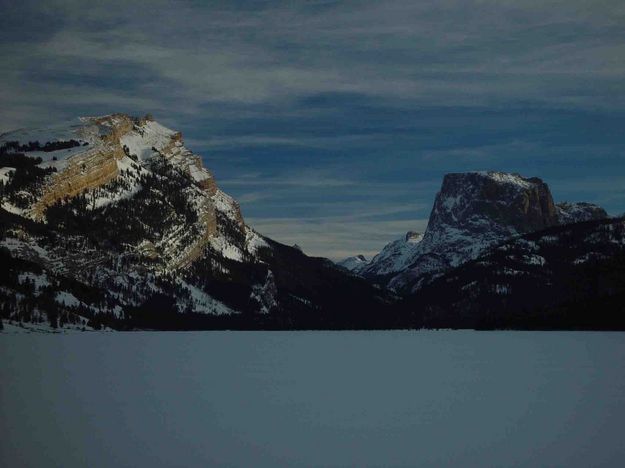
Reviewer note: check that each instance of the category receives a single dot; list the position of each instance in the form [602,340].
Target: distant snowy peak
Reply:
[569,213]
[395,256]
[354,264]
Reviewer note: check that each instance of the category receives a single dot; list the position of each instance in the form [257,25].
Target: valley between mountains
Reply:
[112,223]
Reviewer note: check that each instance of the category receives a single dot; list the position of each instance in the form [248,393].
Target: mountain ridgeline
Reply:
[128,230]
[112,223]
[472,213]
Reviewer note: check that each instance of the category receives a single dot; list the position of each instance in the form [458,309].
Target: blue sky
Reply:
[333,122]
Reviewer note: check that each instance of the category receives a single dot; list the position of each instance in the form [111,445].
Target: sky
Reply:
[333,122]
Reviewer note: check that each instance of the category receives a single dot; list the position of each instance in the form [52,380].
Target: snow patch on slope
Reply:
[265,294]
[146,140]
[6,173]
[396,255]
[254,241]
[205,304]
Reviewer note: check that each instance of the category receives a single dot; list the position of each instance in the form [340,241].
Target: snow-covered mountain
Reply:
[570,276]
[112,221]
[472,212]
[114,158]
[392,257]
[353,264]
[569,213]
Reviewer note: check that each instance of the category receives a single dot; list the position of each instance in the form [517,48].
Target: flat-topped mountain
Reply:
[472,212]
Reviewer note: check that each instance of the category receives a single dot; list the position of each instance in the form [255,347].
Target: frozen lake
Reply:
[312,399]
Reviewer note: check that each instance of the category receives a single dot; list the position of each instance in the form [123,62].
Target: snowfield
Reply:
[302,399]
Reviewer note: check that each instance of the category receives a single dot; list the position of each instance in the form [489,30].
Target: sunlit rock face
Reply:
[123,197]
[118,150]
[112,222]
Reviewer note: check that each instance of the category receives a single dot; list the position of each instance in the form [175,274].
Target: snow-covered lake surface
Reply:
[312,399]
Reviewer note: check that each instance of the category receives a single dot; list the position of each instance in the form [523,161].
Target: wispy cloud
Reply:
[443,53]
[339,118]
[300,180]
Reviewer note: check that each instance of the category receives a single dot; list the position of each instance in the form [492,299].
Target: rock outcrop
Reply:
[569,213]
[472,212]
[478,201]
[89,170]
[132,232]
[120,149]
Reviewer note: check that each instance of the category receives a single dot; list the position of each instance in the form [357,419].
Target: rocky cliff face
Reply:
[481,201]
[94,167]
[471,213]
[121,149]
[116,223]
[89,170]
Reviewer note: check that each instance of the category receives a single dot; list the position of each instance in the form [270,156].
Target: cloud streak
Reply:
[430,53]
[315,111]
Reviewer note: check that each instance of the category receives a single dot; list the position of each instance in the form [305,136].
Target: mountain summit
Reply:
[104,162]
[472,212]
[111,221]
